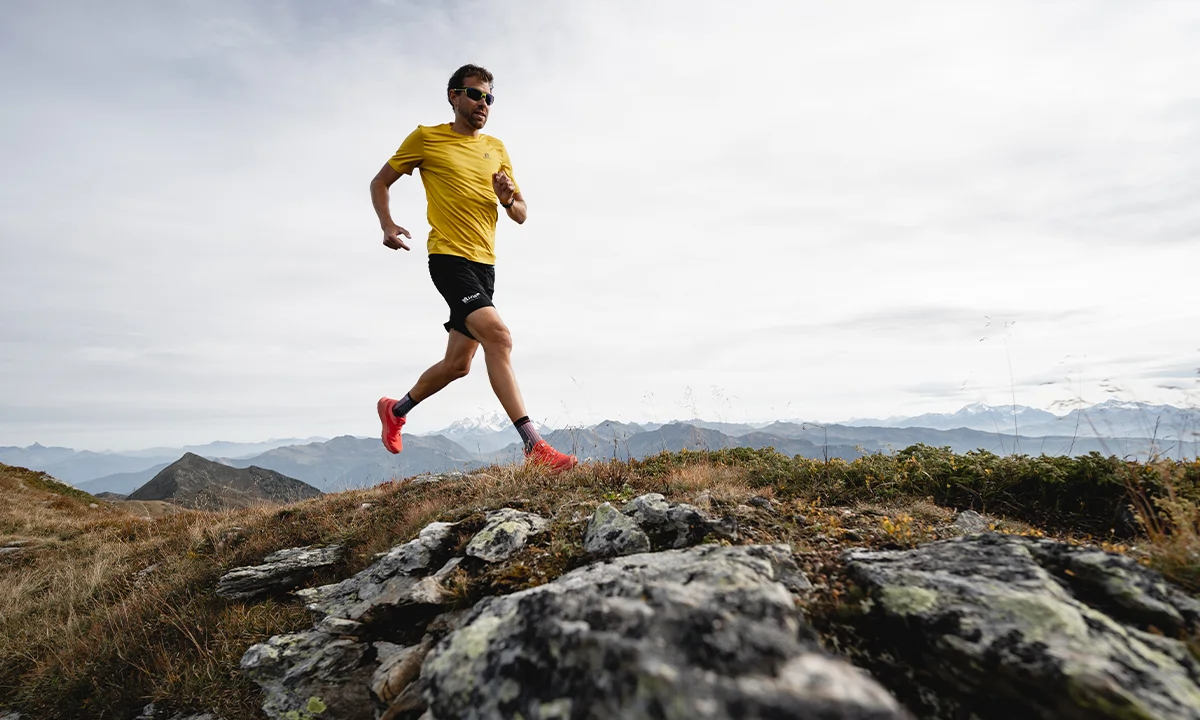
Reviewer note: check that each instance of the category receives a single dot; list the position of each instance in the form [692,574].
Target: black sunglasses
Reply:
[476,94]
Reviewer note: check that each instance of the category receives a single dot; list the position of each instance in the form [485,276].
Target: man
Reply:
[465,174]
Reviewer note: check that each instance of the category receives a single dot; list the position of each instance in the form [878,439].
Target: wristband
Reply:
[510,203]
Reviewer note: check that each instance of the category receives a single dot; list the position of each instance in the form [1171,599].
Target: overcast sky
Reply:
[740,211]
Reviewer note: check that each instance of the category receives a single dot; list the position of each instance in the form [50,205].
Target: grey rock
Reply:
[674,525]
[1120,586]
[611,533]
[760,502]
[280,571]
[971,522]
[505,532]
[362,621]
[153,712]
[293,669]
[393,681]
[393,580]
[706,632]
[977,627]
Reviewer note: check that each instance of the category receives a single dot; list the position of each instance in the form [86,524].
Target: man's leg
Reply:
[485,324]
[460,350]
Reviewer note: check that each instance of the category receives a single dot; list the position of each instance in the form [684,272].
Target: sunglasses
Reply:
[476,94]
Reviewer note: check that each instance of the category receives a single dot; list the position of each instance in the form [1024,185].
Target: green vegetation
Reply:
[1090,494]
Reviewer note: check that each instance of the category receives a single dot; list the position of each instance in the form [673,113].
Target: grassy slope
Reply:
[97,634]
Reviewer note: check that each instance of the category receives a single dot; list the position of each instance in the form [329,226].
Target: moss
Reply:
[907,599]
[1042,617]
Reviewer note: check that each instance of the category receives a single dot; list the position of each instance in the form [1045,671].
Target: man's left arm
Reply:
[519,210]
[507,190]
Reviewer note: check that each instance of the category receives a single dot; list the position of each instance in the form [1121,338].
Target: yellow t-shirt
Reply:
[456,171]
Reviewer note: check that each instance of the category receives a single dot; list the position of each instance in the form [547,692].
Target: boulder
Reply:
[971,522]
[280,571]
[611,533]
[674,525]
[316,668]
[707,632]
[505,532]
[397,579]
[981,627]
[1120,586]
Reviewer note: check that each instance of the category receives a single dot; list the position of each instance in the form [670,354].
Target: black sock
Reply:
[402,406]
[529,434]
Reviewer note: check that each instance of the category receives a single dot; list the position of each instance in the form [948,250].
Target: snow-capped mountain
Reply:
[1121,418]
[484,433]
[1113,418]
[976,416]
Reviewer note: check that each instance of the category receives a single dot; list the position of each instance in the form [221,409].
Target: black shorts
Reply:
[466,285]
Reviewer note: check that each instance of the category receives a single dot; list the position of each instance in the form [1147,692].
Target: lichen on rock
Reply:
[705,632]
[980,624]
[505,532]
[611,533]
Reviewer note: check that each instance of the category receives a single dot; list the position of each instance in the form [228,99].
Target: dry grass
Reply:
[108,610]
[1172,527]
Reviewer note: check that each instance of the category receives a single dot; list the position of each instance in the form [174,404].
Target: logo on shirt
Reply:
[469,298]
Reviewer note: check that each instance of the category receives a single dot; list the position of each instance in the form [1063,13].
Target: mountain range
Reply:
[1124,429]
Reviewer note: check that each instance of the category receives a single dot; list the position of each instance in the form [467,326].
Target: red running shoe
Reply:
[544,455]
[391,425]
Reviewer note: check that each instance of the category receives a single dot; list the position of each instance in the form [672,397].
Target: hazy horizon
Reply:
[1000,410]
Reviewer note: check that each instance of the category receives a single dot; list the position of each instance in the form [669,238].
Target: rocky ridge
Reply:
[667,617]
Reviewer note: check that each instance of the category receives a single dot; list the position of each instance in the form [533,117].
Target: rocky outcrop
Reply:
[397,579]
[675,525]
[364,620]
[994,626]
[279,572]
[505,532]
[711,632]
[982,627]
[611,533]
[328,666]
[708,632]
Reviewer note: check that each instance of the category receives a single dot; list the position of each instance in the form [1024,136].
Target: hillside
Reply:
[200,484]
[102,591]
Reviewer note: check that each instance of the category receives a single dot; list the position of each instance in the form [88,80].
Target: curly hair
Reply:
[460,76]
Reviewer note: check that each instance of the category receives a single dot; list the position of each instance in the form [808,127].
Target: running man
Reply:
[465,173]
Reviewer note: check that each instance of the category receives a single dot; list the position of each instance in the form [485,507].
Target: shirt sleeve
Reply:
[506,166]
[410,154]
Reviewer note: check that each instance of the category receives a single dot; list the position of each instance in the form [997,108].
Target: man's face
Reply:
[474,112]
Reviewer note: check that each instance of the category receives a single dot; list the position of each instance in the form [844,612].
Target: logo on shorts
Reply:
[469,298]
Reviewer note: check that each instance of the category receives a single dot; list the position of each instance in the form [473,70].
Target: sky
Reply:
[737,211]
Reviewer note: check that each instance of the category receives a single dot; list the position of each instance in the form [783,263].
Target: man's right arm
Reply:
[381,199]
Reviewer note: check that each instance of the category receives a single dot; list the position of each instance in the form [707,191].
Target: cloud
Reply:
[812,207]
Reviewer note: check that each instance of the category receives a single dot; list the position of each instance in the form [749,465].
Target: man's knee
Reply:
[491,332]
[458,368]
[498,339]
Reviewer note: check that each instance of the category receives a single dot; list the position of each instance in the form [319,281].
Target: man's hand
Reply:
[391,237]
[504,186]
